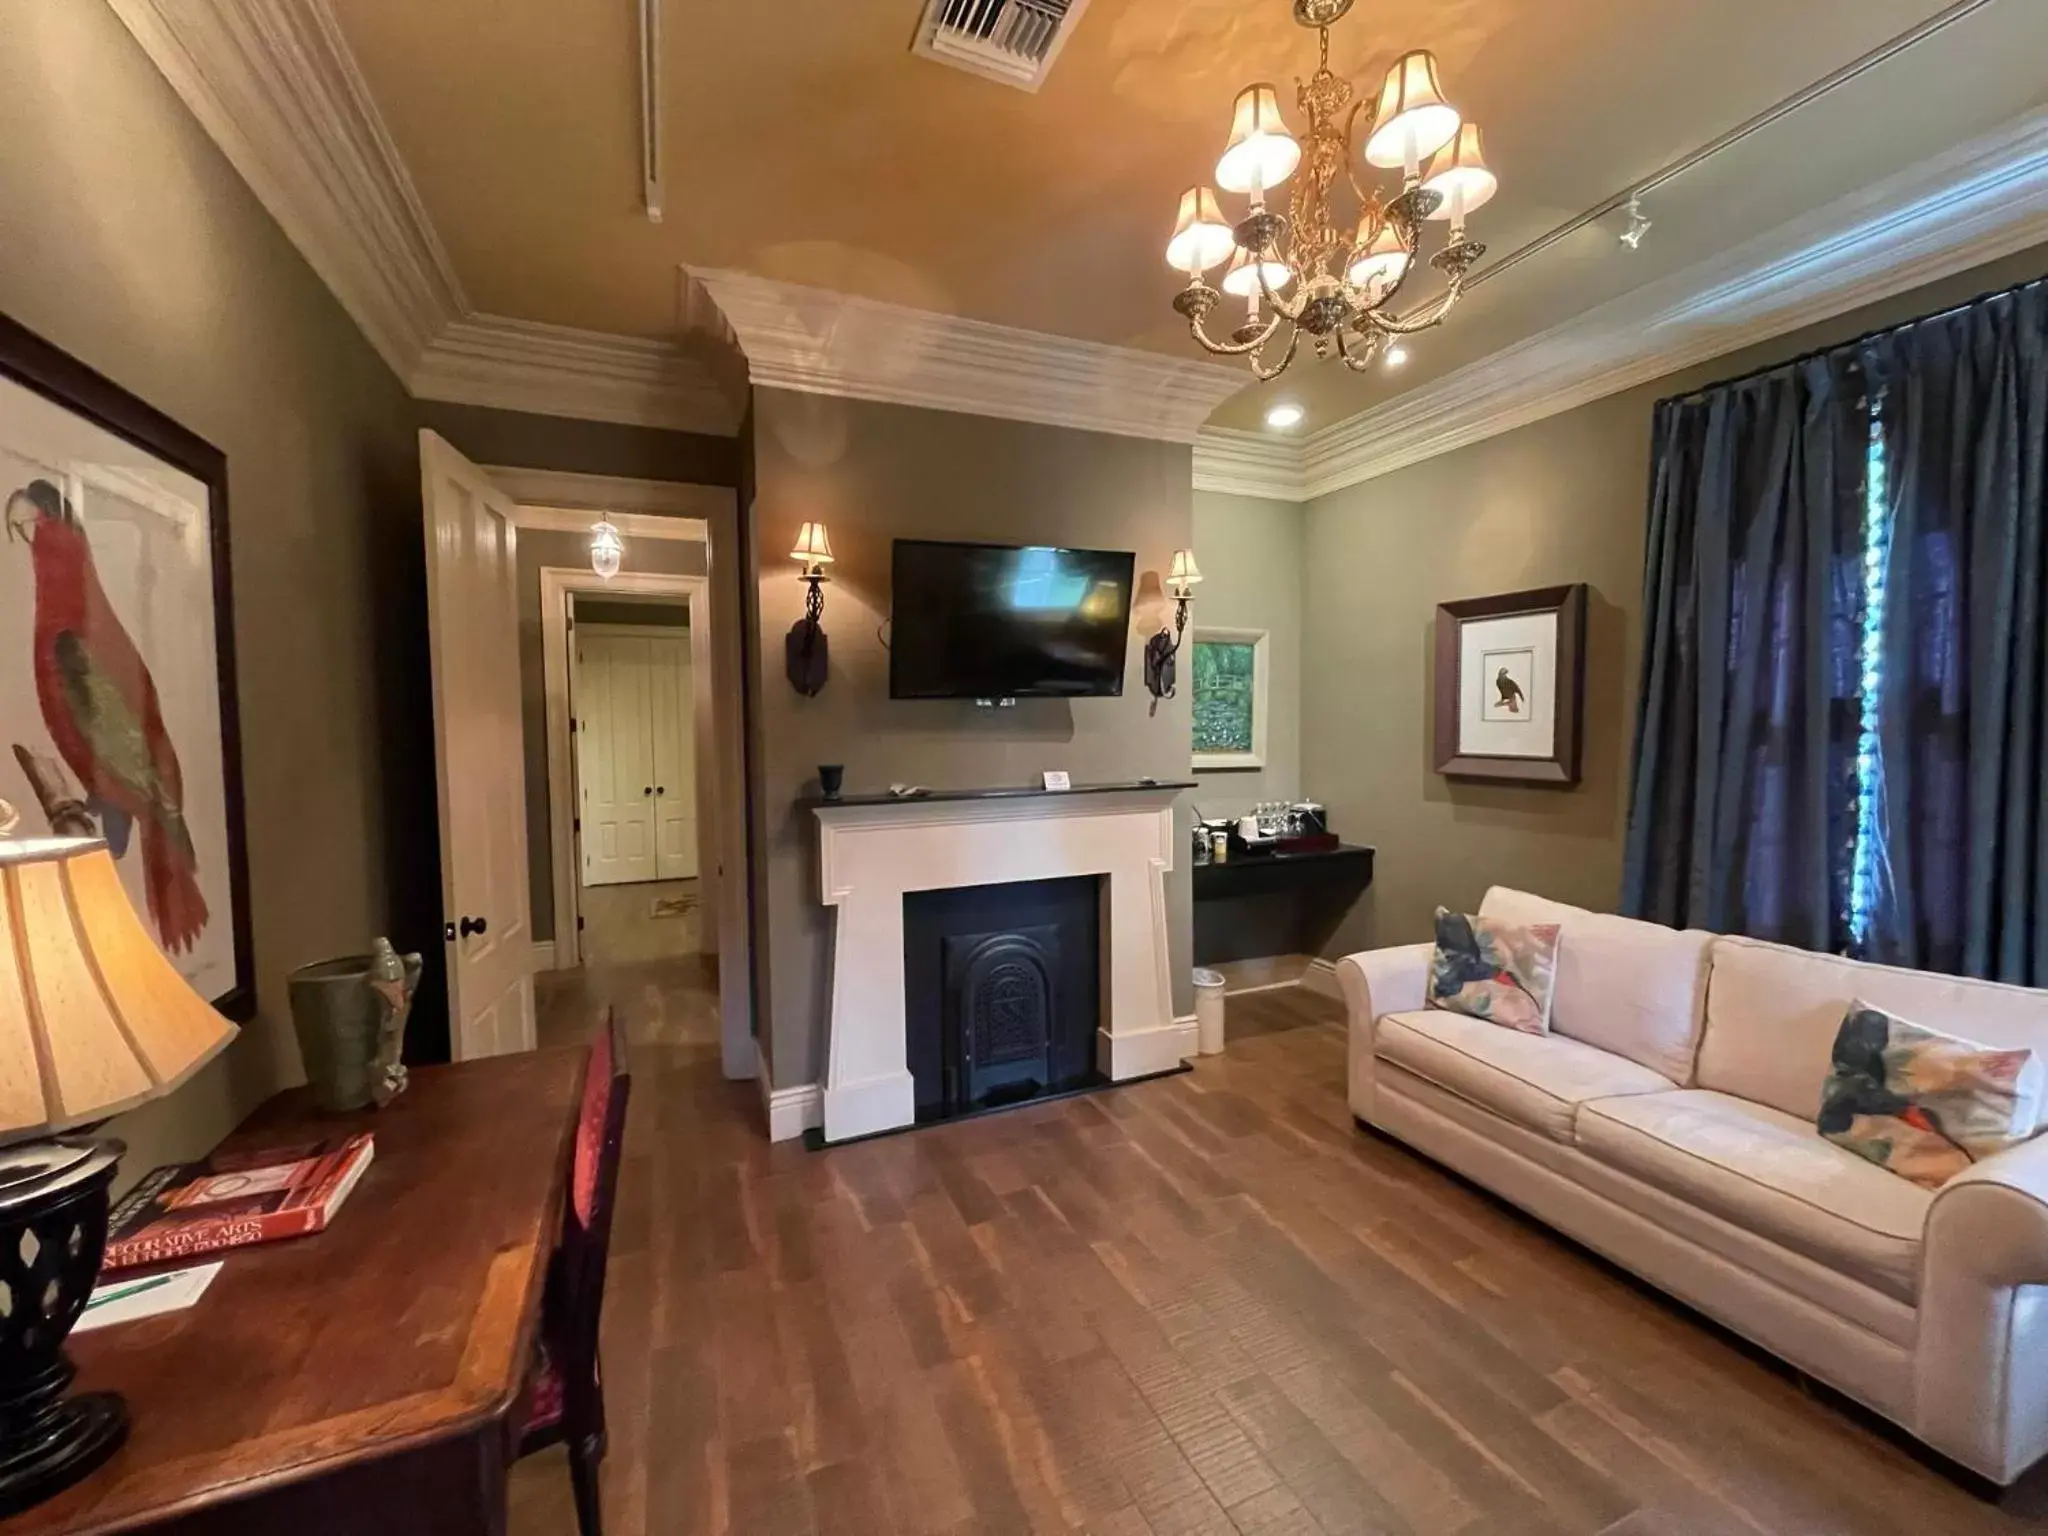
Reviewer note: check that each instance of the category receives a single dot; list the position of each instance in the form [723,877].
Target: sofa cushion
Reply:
[1773,1012]
[1634,988]
[1922,1104]
[1771,1173]
[1537,1081]
[1494,970]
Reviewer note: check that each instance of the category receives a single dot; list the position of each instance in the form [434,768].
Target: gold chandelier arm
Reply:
[1233,348]
[1273,300]
[1422,319]
[1369,340]
[1264,374]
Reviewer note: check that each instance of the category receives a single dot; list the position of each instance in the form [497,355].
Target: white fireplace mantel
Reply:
[871,852]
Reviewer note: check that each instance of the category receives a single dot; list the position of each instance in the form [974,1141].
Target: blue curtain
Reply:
[1742,814]
[1963,830]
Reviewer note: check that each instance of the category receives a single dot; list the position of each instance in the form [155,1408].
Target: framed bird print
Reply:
[1510,685]
[117,671]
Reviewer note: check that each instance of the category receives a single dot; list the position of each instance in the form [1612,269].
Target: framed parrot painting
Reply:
[117,695]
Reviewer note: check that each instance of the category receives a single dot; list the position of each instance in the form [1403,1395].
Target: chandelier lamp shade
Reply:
[607,549]
[1334,280]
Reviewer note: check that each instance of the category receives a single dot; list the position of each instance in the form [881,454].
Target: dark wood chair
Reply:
[564,1402]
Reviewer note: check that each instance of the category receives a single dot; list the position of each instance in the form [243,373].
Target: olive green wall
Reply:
[1250,553]
[131,243]
[875,473]
[1560,500]
[522,440]
[539,549]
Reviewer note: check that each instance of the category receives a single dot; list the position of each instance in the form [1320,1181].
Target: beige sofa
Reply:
[1667,1121]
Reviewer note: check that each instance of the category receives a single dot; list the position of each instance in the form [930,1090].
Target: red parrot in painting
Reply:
[101,707]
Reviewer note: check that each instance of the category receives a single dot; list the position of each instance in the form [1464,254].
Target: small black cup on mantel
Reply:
[830,776]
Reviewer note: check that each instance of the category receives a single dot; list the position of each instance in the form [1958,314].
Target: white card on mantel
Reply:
[1056,778]
[130,1298]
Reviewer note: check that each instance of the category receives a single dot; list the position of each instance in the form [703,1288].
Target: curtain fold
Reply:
[1742,805]
[1964,699]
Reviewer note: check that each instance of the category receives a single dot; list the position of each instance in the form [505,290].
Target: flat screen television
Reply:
[989,621]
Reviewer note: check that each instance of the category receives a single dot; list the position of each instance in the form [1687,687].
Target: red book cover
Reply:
[233,1200]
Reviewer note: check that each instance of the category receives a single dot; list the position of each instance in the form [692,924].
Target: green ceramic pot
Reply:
[350,1015]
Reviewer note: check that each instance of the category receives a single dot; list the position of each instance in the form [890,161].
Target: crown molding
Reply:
[274,85]
[557,370]
[1249,464]
[276,88]
[1983,200]
[824,343]
[587,497]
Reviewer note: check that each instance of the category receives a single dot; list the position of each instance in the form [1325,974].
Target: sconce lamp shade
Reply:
[1183,574]
[93,1019]
[1460,174]
[1382,260]
[1414,121]
[812,546]
[1262,153]
[1200,237]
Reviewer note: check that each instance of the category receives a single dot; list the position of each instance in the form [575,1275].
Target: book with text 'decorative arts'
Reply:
[231,1200]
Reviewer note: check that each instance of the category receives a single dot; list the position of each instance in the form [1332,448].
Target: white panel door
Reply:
[675,758]
[615,755]
[480,764]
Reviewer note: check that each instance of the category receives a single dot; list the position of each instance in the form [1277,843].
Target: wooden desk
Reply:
[360,1380]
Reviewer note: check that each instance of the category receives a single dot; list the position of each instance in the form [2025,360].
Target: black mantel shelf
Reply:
[1010,792]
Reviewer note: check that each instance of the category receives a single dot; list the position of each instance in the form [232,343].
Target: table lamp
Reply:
[93,1021]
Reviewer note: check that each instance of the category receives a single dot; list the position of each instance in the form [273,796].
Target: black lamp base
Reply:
[53,1230]
[78,1436]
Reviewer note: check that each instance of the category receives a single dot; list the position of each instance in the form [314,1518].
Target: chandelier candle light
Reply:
[1329,279]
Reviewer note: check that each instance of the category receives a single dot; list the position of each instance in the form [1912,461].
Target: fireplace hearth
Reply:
[1002,992]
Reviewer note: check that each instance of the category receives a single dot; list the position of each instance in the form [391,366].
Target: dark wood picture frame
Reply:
[37,365]
[1568,603]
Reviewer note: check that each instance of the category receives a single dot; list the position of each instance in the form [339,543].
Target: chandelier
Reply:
[1331,280]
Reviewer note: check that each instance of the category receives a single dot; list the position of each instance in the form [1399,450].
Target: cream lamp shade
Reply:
[1414,121]
[1200,237]
[812,547]
[93,1019]
[1460,174]
[1262,153]
[1383,259]
[1182,575]
[1242,279]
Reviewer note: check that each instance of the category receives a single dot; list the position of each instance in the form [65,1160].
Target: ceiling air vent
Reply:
[1014,41]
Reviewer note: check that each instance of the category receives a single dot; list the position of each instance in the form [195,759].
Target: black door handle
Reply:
[471,925]
[661,789]
[648,790]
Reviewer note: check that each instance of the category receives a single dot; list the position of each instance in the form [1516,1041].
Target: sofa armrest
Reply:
[1981,1349]
[1375,982]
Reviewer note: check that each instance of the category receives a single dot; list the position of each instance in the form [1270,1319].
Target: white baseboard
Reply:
[1321,979]
[791,1111]
[1145,1052]
[544,955]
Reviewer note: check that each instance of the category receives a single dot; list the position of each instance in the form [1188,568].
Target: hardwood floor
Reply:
[1208,1303]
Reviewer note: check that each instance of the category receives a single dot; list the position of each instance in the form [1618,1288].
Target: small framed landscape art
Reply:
[1510,684]
[1230,698]
[117,671]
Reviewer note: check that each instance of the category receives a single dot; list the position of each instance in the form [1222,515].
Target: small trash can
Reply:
[1209,1012]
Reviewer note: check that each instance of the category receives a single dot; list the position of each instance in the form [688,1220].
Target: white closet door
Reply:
[615,758]
[675,759]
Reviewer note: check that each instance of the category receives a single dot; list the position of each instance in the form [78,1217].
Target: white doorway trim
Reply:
[675,506]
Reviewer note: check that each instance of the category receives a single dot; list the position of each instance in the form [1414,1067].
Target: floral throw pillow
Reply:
[1501,972]
[1922,1104]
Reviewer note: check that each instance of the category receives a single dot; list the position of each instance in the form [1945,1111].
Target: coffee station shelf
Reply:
[1247,874]
[815,802]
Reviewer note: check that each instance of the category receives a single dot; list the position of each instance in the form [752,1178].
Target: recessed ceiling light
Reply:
[1396,355]
[1285,415]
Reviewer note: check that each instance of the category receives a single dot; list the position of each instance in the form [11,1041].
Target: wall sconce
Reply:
[806,651]
[1162,648]
[607,549]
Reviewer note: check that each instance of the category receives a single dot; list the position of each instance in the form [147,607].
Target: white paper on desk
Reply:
[139,1296]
